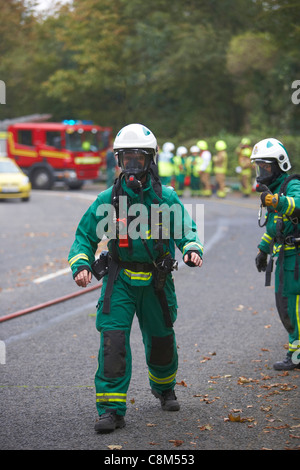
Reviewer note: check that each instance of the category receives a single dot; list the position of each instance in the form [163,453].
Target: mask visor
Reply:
[134,161]
[263,170]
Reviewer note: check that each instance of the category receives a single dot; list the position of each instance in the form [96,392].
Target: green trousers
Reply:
[288,300]
[114,362]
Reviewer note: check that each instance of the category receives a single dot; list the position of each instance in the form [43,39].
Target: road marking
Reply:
[52,275]
[52,321]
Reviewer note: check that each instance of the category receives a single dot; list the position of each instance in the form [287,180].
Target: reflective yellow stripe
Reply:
[111,397]
[193,243]
[77,257]
[291,205]
[165,380]
[138,276]
[22,152]
[53,154]
[266,238]
[298,318]
[277,248]
[87,160]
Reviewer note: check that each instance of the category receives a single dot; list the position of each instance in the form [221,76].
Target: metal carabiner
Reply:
[259,217]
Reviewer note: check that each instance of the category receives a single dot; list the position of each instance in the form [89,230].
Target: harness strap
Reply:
[113,273]
[165,308]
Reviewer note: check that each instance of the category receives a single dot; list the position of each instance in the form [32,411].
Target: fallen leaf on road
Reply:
[176,442]
[114,447]
[243,380]
[238,419]
[205,359]
[182,383]
[205,427]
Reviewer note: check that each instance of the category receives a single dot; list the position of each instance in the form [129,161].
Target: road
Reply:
[228,334]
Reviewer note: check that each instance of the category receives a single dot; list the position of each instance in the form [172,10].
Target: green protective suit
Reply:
[287,256]
[133,292]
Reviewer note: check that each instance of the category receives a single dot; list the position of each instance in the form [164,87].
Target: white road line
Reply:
[52,321]
[52,275]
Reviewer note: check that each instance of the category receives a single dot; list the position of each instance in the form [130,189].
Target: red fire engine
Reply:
[71,152]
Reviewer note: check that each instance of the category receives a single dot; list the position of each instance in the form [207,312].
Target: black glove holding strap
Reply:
[261,261]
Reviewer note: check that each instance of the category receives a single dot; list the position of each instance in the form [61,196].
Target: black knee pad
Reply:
[114,353]
[162,350]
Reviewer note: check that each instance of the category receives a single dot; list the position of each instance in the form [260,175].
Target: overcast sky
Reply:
[48,4]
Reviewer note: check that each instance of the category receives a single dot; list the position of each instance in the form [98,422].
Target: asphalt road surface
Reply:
[228,334]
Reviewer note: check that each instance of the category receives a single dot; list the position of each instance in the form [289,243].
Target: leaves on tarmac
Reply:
[238,419]
[176,442]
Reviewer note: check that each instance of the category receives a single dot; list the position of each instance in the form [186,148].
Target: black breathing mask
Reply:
[267,171]
[135,164]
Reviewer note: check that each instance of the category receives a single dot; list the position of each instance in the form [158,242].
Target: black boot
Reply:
[109,421]
[168,400]
[286,364]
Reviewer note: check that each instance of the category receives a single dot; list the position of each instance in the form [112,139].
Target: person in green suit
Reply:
[280,193]
[137,273]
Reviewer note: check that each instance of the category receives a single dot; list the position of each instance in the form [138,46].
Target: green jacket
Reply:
[94,224]
[286,206]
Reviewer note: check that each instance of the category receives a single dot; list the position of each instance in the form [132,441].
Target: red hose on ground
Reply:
[49,303]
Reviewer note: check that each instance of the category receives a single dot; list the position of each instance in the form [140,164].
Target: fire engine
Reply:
[47,152]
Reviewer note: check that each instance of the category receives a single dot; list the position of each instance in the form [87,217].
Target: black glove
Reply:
[261,261]
[189,262]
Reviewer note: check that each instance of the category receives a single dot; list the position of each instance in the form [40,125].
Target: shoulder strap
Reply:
[285,183]
[155,180]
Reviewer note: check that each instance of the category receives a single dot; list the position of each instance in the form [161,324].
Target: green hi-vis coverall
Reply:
[287,275]
[132,293]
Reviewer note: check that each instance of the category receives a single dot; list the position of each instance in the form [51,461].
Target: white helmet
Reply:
[269,150]
[136,136]
[272,152]
[181,151]
[168,147]
[194,149]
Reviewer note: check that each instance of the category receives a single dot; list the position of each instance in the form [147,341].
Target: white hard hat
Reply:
[194,149]
[168,147]
[270,150]
[136,136]
[181,150]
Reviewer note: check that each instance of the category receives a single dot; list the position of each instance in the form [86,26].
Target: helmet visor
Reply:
[134,161]
[263,169]
[266,171]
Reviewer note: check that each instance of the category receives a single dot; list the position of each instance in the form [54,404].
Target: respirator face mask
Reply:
[267,171]
[135,164]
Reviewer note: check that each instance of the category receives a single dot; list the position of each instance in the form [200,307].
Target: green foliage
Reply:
[184,69]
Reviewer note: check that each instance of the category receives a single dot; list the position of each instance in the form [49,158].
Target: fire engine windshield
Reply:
[83,140]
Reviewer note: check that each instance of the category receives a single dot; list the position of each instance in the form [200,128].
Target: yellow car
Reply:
[13,182]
